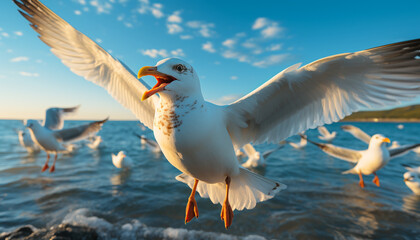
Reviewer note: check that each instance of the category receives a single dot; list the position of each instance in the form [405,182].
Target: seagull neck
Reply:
[177,100]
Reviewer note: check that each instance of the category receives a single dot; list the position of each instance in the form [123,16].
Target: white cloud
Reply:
[185,37]
[83,2]
[101,6]
[274,47]
[4,34]
[229,43]
[19,59]
[260,23]
[175,18]
[86,9]
[154,9]
[205,29]
[249,44]
[163,53]
[127,24]
[271,60]
[98,40]
[77,12]
[9,50]
[268,28]
[28,74]
[226,99]
[234,77]
[18,33]
[229,54]
[208,46]
[157,13]
[173,28]
[120,18]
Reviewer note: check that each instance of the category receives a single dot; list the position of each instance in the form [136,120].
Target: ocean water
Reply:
[147,201]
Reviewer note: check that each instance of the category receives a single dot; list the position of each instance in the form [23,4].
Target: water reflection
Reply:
[411,203]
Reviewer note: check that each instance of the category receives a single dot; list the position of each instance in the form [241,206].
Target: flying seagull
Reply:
[367,161]
[303,142]
[325,134]
[200,138]
[53,141]
[94,142]
[255,158]
[412,179]
[151,144]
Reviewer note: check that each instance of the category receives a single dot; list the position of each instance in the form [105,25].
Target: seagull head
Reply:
[379,140]
[174,77]
[121,155]
[31,123]
[409,176]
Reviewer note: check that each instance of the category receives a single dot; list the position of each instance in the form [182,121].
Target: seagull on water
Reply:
[54,141]
[367,161]
[25,141]
[121,160]
[412,179]
[325,134]
[199,138]
[151,144]
[255,158]
[303,142]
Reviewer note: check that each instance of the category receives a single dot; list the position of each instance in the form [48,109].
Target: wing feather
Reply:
[79,132]
[326,91]
[87,59]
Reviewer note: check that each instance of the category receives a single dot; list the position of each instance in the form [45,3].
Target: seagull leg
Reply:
[361,183]
[53,166]
[376,179]
[227,213]
[192,210]
[46,163]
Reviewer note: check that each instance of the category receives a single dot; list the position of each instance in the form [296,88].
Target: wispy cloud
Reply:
[18,33]
[28,74]
[77,12]
[226,99]
[5,34]
[155,9]
[230,54]
[230,43]
[19,59]
[175,17]
[163,53]
[208,46]
[101,6]
[267,28]
[204,29]
[185,37]
[234,77]
[271,60]
[174,28]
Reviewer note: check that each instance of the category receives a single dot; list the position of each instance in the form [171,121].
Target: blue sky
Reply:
[235,46]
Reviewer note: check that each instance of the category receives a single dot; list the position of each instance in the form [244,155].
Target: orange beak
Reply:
[162,80]
[386,140]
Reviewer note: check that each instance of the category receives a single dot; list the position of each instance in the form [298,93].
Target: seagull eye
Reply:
[180,68]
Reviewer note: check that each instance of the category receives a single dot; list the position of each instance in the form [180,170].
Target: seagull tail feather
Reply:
[246,189]
[350,171]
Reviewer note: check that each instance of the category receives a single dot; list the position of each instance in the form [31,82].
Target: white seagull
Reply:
[412,179]
[200,138]
[151,144]
[303,142]
[25,141]
[94,142]
[122,160]
[255,158]
[367,161]
[54,141]
[325,134]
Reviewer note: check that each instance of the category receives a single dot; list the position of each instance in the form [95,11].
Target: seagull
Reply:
[367,161]
[412,179]
[54,141]
[303,142]
[150,143]
[25,141]
[122,160]
[200,138]
[325,134]
[94,142]
[255,158]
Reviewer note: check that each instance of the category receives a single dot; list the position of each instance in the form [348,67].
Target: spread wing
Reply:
[339,152]
[79,132]
[326,91]
[357,133]
[87,59]
[398,151]
[54,117]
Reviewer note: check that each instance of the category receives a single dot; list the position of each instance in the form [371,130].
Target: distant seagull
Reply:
[325,134]
[255,158]
[400,126]
[122,160]
[94,142]
[395,144]
[303,142]
[412,179]
[53,141]
[151,144]
[417,150]
[367,161]
[25,141]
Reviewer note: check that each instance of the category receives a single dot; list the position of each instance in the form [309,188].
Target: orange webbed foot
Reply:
[227,214]
[376,181]
[45,167]
[52,169]
[191,210]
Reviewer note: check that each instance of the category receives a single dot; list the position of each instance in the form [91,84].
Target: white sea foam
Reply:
[137,230]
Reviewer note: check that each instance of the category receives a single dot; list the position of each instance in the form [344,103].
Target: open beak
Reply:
[386,140]
[162,80]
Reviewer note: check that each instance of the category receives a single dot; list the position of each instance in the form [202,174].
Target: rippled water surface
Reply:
[319,203]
